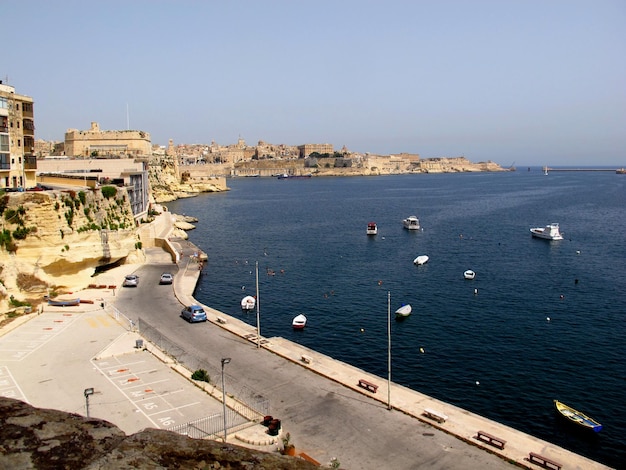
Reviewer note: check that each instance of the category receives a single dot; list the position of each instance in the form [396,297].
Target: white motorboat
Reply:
[372,228]
[404,311]
[421,259]
[248,303]
[549,232]
[299,322]
[469,274]
[411,223]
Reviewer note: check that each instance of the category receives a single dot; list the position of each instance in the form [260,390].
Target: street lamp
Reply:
[87,392]
[225,360]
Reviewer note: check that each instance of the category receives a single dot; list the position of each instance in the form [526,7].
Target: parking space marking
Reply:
[161,406]
[9,387]
[29,337]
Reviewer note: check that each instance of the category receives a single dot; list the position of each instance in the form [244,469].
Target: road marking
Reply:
[9,387]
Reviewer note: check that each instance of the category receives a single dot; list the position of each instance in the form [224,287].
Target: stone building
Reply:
[307,149]
[18,163]
[97,143]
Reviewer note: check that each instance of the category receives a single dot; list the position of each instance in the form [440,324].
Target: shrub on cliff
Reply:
[109,191]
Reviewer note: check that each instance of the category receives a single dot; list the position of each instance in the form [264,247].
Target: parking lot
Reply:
[51,360]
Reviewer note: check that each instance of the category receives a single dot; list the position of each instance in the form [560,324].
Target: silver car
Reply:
[131,281]
[166,278]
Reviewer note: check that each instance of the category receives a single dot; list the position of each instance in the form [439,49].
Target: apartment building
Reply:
[18,163]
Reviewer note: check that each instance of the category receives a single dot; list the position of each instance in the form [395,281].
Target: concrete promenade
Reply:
[458,422]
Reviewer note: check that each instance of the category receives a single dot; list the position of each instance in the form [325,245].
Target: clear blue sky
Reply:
[526,81]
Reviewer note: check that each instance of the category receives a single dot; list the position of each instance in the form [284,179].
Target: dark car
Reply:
[193,314]
[166,278]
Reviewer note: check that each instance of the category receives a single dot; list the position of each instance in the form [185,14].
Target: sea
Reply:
[542,320]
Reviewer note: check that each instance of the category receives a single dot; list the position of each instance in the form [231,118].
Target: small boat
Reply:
[620,171]
[549,232]
[64,303]
[404,311]
[299,322]
[411,223]
[576,417]
[469,274]
[248,303]
[372,228]
[421,259]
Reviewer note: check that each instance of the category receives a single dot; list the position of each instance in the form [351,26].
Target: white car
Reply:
[131,281]
[166,278]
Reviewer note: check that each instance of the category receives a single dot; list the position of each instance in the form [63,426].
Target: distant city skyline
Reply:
[527,82]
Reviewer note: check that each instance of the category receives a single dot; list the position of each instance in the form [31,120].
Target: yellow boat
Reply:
[577,417]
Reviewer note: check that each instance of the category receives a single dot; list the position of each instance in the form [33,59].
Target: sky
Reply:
[517,82]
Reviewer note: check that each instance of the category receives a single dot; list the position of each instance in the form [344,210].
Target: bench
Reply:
[369,386]
[544,461]
[221,320]
[306,359]
[435,415]
[489,439]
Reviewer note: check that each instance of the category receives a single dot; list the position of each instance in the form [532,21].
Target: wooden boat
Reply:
[299,322]
[372,228]
[422,259]
[248,303]
[64,303]
[404,311]
[577,417]
[469,274]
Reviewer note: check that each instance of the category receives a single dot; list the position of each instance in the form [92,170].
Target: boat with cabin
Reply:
[372,228]
[411,223]
[469,274]
[549,232]
[421,259]
[248,303]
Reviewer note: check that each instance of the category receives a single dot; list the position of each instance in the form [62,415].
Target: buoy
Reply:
[475,291]
[575,281]
[362,330]
[477,382]
[422,350]
[562,296]
[548,318]
[577,252]
[243,287]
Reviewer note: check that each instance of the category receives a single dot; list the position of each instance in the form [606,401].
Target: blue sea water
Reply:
[547,321]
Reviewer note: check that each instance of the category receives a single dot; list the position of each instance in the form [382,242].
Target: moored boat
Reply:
[404,311]
[577,417]
[248,303]
[372,228]
[299,322]
[549,232]
[421,259]
[411,223]
[469,274]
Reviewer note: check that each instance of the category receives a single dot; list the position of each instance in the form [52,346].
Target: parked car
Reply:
[193,314]
[166,278]
[131,281]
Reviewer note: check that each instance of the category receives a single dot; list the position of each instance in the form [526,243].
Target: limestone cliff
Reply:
[54,240]
[166,184]
[34,438]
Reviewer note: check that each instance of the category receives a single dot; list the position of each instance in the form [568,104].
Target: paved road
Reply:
[325,419]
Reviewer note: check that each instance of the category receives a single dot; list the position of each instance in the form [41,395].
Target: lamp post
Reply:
[87,392]
[258,315]
[388,350]
[225,360]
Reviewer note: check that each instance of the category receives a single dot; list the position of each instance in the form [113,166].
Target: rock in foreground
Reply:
[34,438]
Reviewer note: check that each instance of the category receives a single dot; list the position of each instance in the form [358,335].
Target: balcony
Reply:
[30,162]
